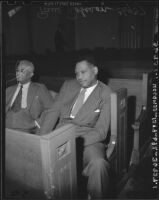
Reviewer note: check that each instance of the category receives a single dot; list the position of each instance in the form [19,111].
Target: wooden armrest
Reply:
[140,119]
[142,114]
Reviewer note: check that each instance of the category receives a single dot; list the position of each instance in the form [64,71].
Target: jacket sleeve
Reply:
[46,101]
[50,116]
[45,97]
[98,133]
[8,96]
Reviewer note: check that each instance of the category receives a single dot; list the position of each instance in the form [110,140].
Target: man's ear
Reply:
[95,70]
[32,74]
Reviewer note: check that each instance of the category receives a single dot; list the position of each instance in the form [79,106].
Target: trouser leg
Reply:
[96,168]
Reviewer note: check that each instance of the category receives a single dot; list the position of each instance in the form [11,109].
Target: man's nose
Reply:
[79,76]
[19,74]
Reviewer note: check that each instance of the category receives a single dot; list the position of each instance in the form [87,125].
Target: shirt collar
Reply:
[24,85]
[92,87]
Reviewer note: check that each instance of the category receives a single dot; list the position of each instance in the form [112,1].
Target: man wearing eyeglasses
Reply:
[27,100]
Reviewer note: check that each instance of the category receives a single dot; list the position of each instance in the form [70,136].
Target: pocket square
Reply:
[97,111]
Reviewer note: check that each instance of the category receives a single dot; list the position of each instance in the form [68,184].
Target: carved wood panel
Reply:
[59,165]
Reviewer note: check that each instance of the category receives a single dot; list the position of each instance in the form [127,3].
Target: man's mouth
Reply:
[19,77]
[82,82]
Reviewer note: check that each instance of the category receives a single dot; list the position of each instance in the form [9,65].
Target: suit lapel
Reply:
[11,96]
[31,94]
[91,103]
[71,102]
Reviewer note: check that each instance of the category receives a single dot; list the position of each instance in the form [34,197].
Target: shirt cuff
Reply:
[36,123]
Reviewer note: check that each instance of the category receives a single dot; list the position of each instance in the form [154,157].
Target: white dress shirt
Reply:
[87,94]
[24,97]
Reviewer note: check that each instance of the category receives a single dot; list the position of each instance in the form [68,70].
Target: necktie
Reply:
[17,102]
[79,102]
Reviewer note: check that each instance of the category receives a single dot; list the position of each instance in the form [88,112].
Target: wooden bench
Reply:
[48,163]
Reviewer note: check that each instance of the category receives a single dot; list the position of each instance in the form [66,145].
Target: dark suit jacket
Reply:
[38,100]
[92,121]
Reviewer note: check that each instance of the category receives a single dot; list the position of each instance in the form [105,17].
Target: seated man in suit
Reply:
[92,120]
[26,101]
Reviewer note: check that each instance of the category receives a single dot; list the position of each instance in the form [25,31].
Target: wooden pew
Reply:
[43,163]
[48,163]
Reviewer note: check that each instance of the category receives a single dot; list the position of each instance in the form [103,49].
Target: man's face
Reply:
[85,74]
[23,73]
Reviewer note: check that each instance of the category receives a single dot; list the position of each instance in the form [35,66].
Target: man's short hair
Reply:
[89,58]
[26,63]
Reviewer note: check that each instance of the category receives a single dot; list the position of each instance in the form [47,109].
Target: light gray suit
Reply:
[92,124]
[38,100]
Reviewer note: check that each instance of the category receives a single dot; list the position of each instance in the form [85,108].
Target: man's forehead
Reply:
[23,66]
[83,65]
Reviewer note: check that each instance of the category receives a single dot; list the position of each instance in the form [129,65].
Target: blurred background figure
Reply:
[60,43]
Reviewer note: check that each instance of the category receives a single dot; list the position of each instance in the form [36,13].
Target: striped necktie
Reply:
[17,102]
